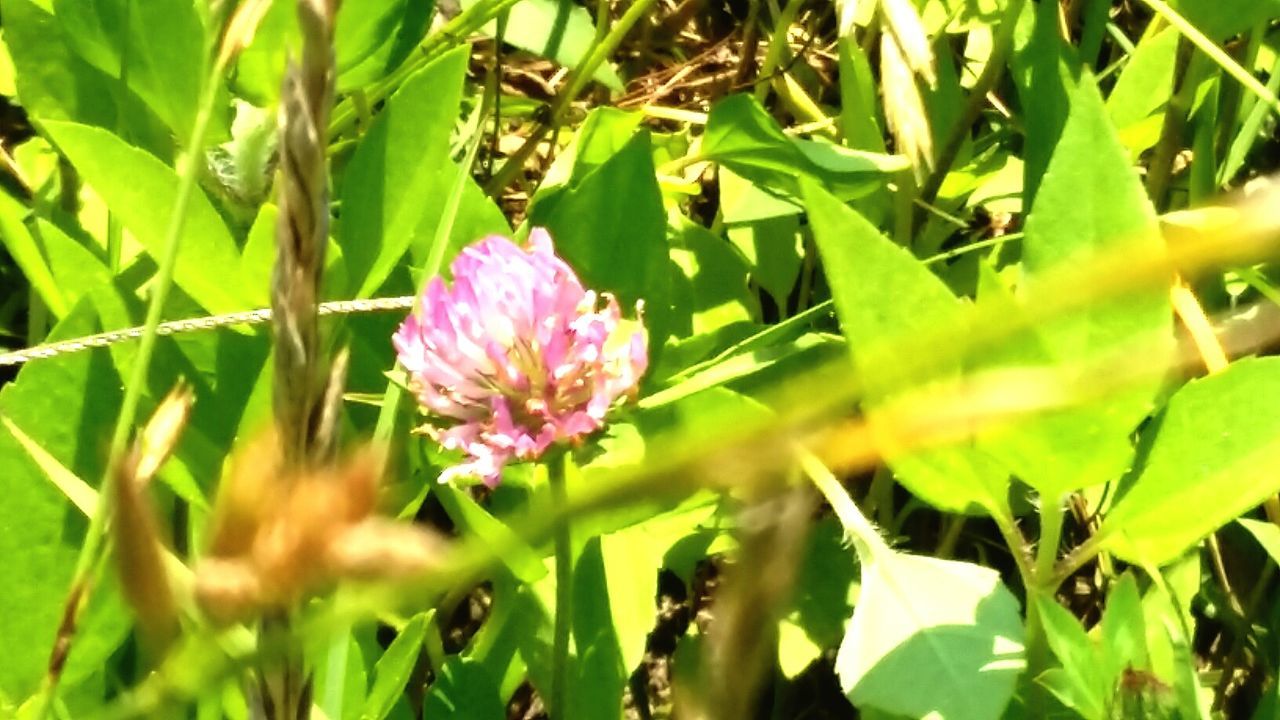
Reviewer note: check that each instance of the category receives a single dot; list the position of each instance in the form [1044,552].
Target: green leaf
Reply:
[391,673]
[611,227]
[61,403]
[822,601]
[53,81]
[259,68]
[463,689]
[1080,683]
[932,638]
[597,673]
[709,280]
[632,558]
[394,190]
[741,136]
[141,191]
[558,30]
[1220,19]
[372,44]
[1144,86]
[1124,642]
[1266,533]
[882,293]
[1212,459]
[161,42]
[858,99]
[1090,203]
[520,559]
[362,28]
[1039,71]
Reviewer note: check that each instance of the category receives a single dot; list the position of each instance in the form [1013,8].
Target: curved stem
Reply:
[564,590]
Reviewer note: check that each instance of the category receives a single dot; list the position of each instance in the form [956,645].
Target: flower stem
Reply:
[1051,518]
[564,589]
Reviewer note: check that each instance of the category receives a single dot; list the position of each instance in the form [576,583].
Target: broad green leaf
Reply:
[381,41]
[463,689]
[394,190]
[141,191]
[859,101]
[932,638]
[741,136]
[610,226]
[391,673]
[362,28]
[742,201]
[63,404]
[1124,642]
[30,256]
[1212,459]
[259,68]
[597,673]
[1090,203]
[633,557]
[1220,19]
[558,30]
[1143,88]
[882,293]
[161,43]
[342,665]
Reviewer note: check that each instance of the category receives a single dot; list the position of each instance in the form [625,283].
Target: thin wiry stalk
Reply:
[198,324]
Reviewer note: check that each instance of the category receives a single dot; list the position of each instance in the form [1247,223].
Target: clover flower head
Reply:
[516,356]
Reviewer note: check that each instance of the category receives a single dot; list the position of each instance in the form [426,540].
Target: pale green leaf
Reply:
[948,630]
[1213,458]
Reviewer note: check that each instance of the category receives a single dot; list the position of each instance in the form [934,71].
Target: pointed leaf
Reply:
[1213,458]
[141,190]
[1090,202]
[881,292]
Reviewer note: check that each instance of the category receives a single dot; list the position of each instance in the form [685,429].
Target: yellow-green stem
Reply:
[561,540]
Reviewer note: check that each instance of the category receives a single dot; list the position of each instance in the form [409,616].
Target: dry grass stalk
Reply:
[283,691]
[302,235]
